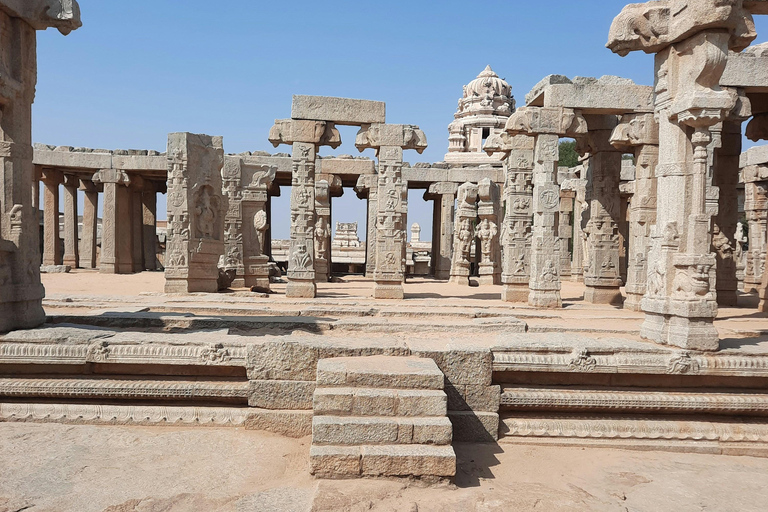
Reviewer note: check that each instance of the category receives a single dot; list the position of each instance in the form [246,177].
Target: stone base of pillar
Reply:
[462,280]
[442,275]
[21,307]
[69,260]
[260,282]
[489,275]
[515,293]
[632,302]
[603,295]
[545,299]
[577,277]
[388,290]
[298,289]
[111,268]
[692,333]
[763,306]
[191,285]
[487,280]
[238,282]
[726,298]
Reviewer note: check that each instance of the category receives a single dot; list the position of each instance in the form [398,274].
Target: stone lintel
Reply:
[746,71]
[343,111]
[346,166]
[757,155]
[600,98]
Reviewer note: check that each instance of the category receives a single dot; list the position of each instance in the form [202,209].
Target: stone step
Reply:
[361,430]
[382,460]
[380,372]
[346,401]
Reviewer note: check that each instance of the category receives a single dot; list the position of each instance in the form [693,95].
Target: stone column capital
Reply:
[378,135]
[111,176]
[635,130]
[564,122]
[52,176]
[290,131]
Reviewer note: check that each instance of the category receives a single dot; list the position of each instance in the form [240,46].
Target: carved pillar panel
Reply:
[487,232]
[51,239]
[305,137]
[90,224]
[464,233]
[70,257]
[391,218]
[196,210]
[639,133]
[322,230]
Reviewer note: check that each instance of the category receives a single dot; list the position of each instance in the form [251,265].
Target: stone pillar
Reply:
[51,241]
[116,256]
[149,224]
[487,232]
[546,125]
[70,257]
[464,233]
[366,189]
[691,52]
[601,270]
[90,224]
[306,137]
[565,231]
[577,187]
[756,210]
[137,223]
[196,210]
[444,195]
[640,134]
[389,141]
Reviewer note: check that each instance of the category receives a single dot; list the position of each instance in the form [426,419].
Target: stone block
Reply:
[474,427]
[408,460]
[359,430]
[380,372]
[421,403]
[343,111]
[472,397]
[286,423]
[379,402]
[461,363]
[281,394]
[334,461]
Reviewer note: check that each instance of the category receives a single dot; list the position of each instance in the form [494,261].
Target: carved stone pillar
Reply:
[90,224]
[70,257]
[137,223]
[196,210]
[389,141]
[366,189]
[443,193]
[327,186]
[639,133]
[691,41]
[577,188]
[487,232]
[756,210]
[565,231]
[149,224]
[306,137]
[546,125]
[601,271]
[116,257]
[51,239]
[464,233]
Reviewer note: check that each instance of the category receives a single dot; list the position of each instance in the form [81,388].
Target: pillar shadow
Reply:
[474,461]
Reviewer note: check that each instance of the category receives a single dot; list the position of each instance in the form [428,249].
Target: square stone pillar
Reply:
[305,137]
[487,232]
[90,226]
[565,230]
[577,188]
[323,230]
[196,210]
[639,133]
[546,125]
[71,237]
[116,255]
[149,224]
[366,189]
[137,223]
[389,141]
[443,193]
[601,269]
[51,239]
[464,233]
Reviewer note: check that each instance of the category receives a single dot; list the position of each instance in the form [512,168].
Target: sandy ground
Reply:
[52,467]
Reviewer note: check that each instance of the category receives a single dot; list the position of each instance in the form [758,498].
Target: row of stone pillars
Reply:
[128,232]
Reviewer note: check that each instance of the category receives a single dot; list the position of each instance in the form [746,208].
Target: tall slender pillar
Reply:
[443,193]
[577,188]
[464,233]
[565,231]
[691,52]
[70,222]
[305,137]
[52,240]
[137,223]
[639,133]
[366,189]
[546,125]
[389,141]
[90,227]
[115,232]
[149,224]
[487,232]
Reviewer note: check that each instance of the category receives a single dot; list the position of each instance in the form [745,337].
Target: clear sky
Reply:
[138,70]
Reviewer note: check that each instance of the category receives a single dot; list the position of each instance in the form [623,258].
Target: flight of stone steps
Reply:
[380,416]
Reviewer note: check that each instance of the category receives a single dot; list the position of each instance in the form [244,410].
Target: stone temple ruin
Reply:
[649,222]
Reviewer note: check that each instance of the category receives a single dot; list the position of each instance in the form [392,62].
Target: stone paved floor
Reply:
[52,467]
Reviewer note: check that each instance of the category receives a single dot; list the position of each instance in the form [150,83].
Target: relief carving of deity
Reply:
[301,258]
[321,238]
[465,236]
[205,213]
[486,231]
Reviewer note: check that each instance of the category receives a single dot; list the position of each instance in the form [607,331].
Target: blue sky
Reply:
[138,70]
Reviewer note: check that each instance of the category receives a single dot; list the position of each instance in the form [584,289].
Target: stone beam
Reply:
[604,95]
[343,111]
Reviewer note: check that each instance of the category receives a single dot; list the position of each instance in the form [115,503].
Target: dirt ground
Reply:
[84,468]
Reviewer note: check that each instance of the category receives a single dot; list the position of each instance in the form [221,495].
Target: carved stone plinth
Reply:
[466,217]
[196,211]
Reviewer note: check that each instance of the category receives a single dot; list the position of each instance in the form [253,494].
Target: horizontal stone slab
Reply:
[379,402]
[281,394]
[380,372]
[474,426]
[387,460]
[288,423]
[344,111]
[472,397]
[358,430]
[462,363]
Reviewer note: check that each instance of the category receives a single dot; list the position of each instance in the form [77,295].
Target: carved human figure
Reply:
[486,231]
[321,237]
[206,214]
[465,240]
